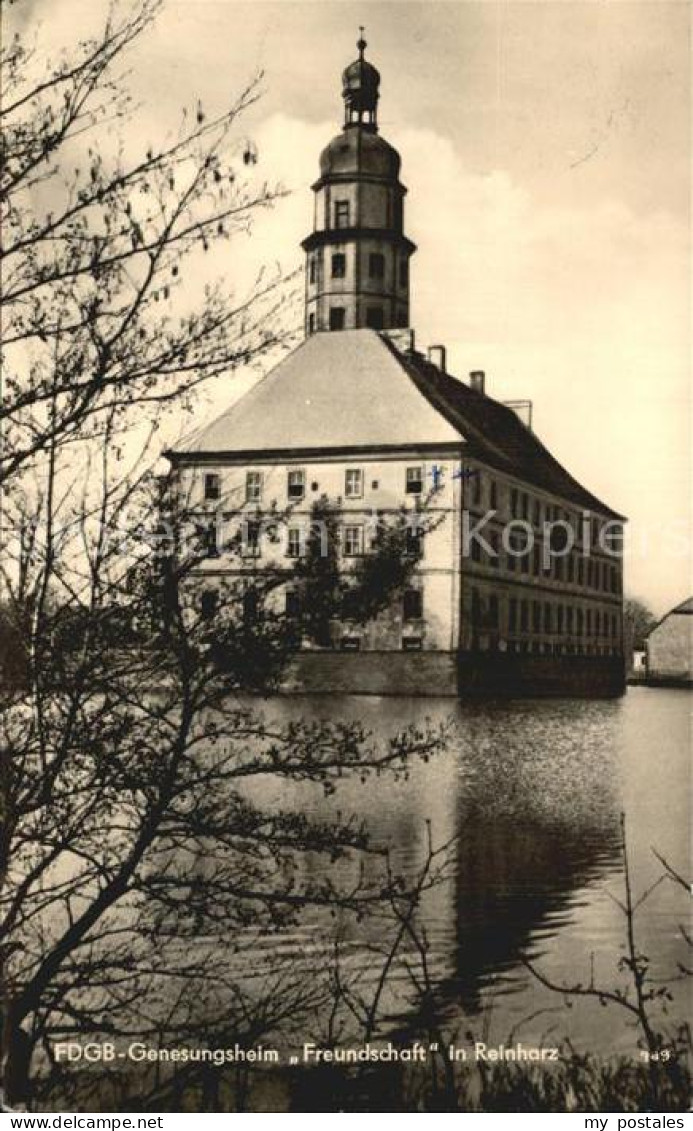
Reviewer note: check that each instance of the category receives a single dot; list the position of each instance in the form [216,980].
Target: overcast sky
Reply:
[546,148]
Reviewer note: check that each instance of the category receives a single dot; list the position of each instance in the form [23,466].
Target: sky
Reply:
[546,147]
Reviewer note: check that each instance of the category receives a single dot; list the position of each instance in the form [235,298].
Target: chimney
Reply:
[436,356]
[403,340]
[477,380]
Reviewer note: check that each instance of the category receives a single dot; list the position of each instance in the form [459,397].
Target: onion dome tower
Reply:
[357,257]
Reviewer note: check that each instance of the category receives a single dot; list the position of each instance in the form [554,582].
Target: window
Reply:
[493,611]
[413,542]
[208,604]
[569,621]
[588,622]
[292,603]
[524,616]
[536,560]
[353,541]
[350,644]
[559,619]
[548,626]
[337,316]
[512,615]
[414,480]
[493,495]
[338,265]
[402,320]
[311,270]
[537,513]
[353,483]
[294,542]
[251,539]
[514,495]
[412,643]
[341,213]
[374,317]
[250,606]
[580,622]
[376,265]
[253,486]
[525,506]
[412,604]
[403,272]
[311,323]
[212,485]
[536,616]
[296,484]
[476,487]
[210,547]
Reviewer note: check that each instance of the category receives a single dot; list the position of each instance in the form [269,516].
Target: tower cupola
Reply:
[357,256]
[360,91]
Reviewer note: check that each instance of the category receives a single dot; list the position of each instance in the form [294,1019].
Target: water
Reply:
[532,792]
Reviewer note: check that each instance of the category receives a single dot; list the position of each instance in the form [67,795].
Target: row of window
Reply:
[296,484]
[411,604]
[485,491]
[352,540]
[376,267]
[341,214]
[537,617]
[571,567]
[375,318]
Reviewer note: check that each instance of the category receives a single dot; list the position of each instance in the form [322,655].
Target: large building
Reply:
[518,585]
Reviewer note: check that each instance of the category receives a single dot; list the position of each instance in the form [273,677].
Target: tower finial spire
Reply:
[361,43]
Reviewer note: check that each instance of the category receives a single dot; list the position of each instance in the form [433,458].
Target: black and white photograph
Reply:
[346,603]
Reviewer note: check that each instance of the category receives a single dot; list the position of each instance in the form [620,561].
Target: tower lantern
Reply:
[357,257]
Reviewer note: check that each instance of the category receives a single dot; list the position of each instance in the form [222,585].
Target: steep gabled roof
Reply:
[335,390]
[497,436]
[685,607]
[357,389]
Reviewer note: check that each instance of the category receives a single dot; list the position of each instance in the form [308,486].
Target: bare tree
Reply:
[133,835]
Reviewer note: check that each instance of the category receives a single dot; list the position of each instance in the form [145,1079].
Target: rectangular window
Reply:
[253,486]
[296,484]
[476,488]
[376,265]
[341,213]
[412,604]
[493,611]
[514,495]
[212,485]
[353,483]
[294,542]
[337,316]
[512,615]
[414,480]
[547,619]
[311,270]
[536,616]
[292,603]
[311,323]
[559,619]
[210,544]
[403,272]
[338,265]
[493,495]
[374,317]
[412,643]
[209,602]
[537,513]
[353,541]
[569,621]
[251,539]
[413,542]
[524,616]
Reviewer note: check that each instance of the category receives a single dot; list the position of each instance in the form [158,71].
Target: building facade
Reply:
[518,583]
